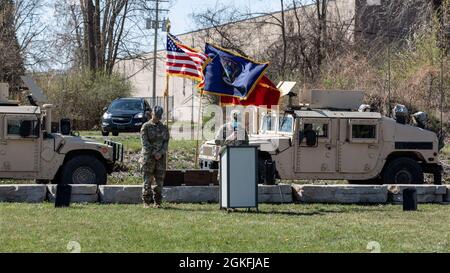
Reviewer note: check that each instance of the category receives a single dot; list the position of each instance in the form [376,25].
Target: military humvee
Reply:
[29,149]
[328,139]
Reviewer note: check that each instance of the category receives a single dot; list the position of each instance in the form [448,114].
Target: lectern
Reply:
[239,177]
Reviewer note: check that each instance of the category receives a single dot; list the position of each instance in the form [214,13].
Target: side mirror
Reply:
[105,108]
[25,128]
[65,126]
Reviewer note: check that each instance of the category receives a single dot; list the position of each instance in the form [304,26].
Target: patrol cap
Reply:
[159,111]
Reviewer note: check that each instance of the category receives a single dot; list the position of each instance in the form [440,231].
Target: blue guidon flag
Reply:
[229,74]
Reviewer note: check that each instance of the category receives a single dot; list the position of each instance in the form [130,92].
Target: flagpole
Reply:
[198,127]
[166,92]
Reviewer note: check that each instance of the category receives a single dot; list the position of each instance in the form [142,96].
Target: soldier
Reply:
[155,141]
[232,133]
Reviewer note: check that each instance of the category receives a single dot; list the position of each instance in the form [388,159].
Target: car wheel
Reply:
[84,169]
[115,133]
[403,170]
[105,133]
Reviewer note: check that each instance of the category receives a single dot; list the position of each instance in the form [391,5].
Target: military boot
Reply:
[157,203]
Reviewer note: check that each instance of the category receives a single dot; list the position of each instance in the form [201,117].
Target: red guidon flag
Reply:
[265,94]
[184,61]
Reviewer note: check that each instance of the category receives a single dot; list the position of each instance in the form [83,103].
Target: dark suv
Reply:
[125,115]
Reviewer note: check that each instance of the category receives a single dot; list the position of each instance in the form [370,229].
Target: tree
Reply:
[104,23]
[296,40]
[31,32]
[11,62]
[96,34]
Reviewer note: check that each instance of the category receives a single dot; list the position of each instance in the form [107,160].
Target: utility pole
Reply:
[155,49]
[155,25]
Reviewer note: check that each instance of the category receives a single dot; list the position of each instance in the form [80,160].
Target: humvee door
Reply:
[358,145]
[20,145]
[314,149]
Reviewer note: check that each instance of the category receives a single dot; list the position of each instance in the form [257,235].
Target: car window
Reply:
[125,105]
[13,127]
[364,131]
[320,128]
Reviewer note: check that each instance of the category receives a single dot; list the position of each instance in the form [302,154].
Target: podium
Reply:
[239,177]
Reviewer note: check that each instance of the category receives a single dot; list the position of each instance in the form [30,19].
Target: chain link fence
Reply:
[161,101]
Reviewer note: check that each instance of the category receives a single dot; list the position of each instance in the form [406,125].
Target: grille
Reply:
[121,120]
[117,150]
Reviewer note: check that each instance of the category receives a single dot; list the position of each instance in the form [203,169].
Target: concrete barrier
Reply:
[131,194]
[281,193]
[340,194]
[120,194]
[22,193]
[191,194]
[447,195]
[81,193]
[425,193]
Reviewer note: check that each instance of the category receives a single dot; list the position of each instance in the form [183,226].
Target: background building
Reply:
[358,20]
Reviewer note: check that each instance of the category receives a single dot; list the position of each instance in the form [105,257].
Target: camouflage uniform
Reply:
[155,139]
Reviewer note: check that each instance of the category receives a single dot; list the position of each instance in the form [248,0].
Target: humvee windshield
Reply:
[285,124]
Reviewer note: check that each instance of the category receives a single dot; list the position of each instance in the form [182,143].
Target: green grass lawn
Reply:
[205,228]
[132,141]
[181,155]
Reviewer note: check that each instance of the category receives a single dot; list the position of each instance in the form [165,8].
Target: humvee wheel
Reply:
[403,170]
[84,169]
[105,133]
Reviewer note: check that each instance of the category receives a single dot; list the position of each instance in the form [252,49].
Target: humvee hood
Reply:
[70,143]
[272,144]
[268,143]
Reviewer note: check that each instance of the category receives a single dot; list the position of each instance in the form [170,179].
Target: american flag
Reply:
[183,60]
